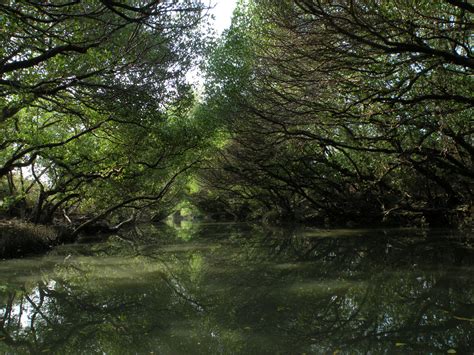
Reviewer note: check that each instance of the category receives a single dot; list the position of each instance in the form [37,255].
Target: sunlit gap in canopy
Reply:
[221,12]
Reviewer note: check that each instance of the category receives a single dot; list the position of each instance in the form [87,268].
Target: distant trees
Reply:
[95,111]
[347,110]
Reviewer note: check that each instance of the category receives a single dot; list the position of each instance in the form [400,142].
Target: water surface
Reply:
[240,289]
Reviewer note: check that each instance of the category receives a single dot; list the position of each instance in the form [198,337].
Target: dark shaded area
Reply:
[18,238]
[347,112]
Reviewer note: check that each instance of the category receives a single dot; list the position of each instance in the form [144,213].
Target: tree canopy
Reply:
[96,112]
[345,111]
[353,111]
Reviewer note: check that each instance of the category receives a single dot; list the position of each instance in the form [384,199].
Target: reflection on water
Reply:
[226,288]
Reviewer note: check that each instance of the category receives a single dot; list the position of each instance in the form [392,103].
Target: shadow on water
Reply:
[229,288]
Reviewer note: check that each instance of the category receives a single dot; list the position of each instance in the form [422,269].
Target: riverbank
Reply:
[19,238]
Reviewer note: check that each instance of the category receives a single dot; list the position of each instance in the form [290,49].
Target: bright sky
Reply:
[222,11]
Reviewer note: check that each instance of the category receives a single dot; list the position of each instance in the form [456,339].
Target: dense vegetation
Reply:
[96,113]
[313,111]
[345,111]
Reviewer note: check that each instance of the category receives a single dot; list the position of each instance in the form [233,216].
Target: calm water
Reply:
[236,289]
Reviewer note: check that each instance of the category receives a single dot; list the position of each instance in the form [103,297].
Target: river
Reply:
[244,289]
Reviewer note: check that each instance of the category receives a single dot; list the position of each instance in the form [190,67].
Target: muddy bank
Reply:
[19,238]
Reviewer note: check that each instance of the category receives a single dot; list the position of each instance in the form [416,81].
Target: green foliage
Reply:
[312,111]
[352,111]
[96,114]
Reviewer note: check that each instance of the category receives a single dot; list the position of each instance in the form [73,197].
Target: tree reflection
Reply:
[238,289]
